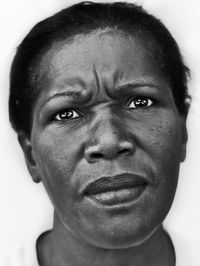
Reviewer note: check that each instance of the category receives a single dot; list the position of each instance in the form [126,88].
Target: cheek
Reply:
[165,151]
[57,157]
[159,145]
[161,137]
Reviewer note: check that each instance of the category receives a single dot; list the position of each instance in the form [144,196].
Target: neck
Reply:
[61,248]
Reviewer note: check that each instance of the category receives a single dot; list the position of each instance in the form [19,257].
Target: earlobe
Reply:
[26,145]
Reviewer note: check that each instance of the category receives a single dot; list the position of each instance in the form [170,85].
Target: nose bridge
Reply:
[108,137]
[108,129]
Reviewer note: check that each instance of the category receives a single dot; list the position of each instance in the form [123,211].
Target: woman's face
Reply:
[107,139]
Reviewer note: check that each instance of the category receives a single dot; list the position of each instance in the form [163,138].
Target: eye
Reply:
[66,115]
[140,102]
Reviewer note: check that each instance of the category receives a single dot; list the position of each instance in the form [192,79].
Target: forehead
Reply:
[111,57]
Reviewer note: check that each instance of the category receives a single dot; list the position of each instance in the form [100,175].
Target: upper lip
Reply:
[113,183]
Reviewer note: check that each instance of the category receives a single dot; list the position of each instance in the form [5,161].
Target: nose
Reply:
[108,140]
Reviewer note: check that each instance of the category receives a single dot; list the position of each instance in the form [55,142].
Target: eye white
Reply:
[140,103]
[66,115]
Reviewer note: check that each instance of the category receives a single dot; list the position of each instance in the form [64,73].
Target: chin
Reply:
[120,235]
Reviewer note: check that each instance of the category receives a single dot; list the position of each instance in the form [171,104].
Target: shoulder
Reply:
[24,256]
[187,249]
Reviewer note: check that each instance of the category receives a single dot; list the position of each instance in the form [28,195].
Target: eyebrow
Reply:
[70,83]
[119,88]
[137,84]
[124,87]
[69,93]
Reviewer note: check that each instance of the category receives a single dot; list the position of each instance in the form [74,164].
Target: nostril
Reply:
[108,150]
[96,155]
[126,148]
[126,151]
[93,154]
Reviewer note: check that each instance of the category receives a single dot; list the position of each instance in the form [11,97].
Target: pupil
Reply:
[141,102]
[67,114]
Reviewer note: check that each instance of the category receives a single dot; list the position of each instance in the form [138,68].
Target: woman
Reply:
[98,98]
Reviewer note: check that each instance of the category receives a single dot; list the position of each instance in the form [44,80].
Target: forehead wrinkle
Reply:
[106,78]
[96,78]
[100,92]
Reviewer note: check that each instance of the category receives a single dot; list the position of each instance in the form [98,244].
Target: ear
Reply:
[25,143]
[184,135]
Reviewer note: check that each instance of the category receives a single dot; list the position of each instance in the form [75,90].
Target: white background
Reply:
[24,206]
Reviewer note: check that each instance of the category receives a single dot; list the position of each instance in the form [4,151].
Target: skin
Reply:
[107,134]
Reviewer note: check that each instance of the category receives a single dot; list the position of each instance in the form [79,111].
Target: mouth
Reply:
[116,190]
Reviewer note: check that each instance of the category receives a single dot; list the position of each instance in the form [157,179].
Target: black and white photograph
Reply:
[100,133]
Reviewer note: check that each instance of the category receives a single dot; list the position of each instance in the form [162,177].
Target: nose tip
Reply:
[108,150]
[108,138]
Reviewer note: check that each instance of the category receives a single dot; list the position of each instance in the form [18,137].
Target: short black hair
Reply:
[83,18]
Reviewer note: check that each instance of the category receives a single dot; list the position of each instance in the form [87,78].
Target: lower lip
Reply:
[118,197]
